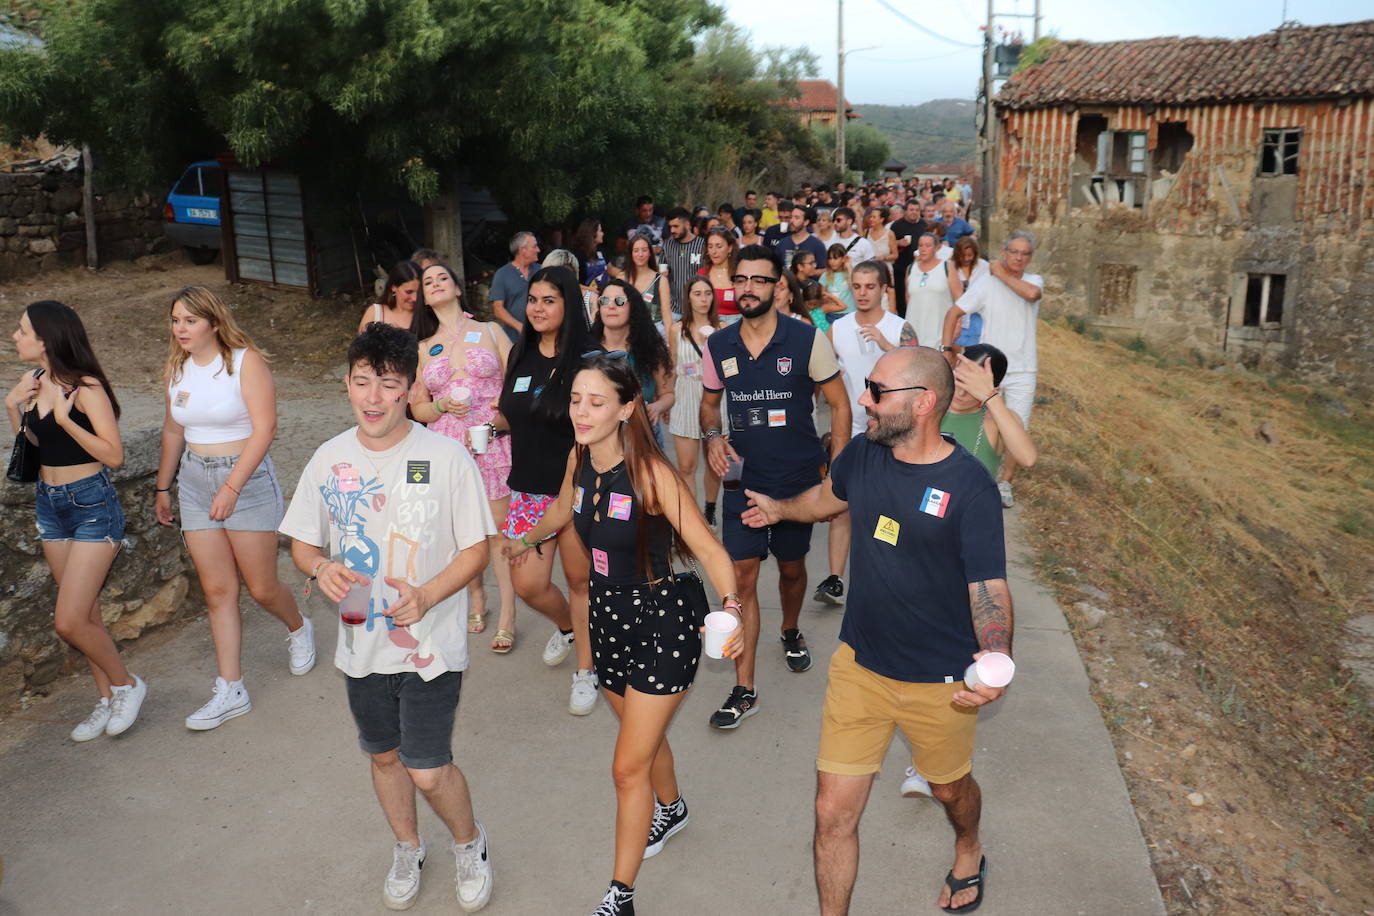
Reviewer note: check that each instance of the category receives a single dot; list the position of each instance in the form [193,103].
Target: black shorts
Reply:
[785,540]
[644,637]
[402,711]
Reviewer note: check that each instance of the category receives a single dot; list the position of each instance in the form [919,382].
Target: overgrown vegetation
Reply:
[1231,520]
[1037,52]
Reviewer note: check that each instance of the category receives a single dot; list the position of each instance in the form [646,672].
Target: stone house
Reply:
[1210,195]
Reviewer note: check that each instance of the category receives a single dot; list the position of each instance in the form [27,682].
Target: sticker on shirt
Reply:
[436,349]
[577,500]
[757,417]
[737,421]
[472,337]
[647,297]
[935,502]
[417,471]
[777,417]
[730,366]
[182,399]
[784,365]
[727,295]
[688,369]
[887,530]
[600,562]
[696,258]
[522,384]
[620,506]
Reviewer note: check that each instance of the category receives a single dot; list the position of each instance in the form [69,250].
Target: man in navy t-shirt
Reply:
[929,595]
[767,366]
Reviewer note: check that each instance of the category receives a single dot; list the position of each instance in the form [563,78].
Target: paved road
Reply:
[273,813]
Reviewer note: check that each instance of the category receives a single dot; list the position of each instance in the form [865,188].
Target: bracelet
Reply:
[315,573]
[527,543]
[162,489]
[237,491]
[995,393]
[712,433]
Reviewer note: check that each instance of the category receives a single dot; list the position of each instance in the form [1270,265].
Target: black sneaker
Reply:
[794,647]
[711,514]
[619,901]
[668,820]
[831,591]
[740,705]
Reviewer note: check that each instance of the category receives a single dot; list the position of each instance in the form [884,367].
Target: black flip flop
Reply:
[956,885]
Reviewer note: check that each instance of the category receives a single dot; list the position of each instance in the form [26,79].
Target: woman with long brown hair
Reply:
[68,410]
[220,418]
[966,265]
[688,344]
[721,255]
[397,307]
[643,273]
[632,511]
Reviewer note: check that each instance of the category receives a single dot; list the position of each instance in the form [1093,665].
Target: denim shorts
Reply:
[83,510]
[258,508]
[402,711]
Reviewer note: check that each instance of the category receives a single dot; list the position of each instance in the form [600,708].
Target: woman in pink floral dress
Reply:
[462,366]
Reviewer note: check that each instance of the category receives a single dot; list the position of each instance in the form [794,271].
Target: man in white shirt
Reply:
[859,248]
[860,338]
[1009,300]
[391,522]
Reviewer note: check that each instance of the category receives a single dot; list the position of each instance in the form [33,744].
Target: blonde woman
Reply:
[220,419]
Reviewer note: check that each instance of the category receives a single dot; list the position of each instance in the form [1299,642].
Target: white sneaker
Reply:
[583,697]
[301,645]
[402,884]
[228,702]
[1004,490]
[915,785]
[474,878]
[94,726]
[124,706]
[558,648]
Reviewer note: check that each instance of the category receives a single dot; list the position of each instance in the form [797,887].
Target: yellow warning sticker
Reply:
[887,530]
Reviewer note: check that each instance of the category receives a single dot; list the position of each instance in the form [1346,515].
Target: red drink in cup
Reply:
[355,605]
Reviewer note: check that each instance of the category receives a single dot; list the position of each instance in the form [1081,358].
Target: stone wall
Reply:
[43,224]
[148,585]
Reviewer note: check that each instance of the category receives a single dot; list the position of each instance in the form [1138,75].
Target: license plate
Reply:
[195,213]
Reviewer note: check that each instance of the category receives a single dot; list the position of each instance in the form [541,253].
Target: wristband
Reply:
[162,489]
[527,543]
[315,573]
[237,491]
[995,393]
[712,433]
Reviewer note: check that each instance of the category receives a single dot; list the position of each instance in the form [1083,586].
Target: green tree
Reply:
[866,147]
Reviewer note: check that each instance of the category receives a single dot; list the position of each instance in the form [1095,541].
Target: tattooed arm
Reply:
[990,606]
[908,336]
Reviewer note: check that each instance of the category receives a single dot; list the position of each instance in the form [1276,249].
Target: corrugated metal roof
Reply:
[1297,62]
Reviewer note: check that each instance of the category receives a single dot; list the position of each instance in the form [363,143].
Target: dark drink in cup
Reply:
[734,474]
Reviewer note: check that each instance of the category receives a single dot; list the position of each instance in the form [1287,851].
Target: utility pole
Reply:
[1035,29]
[839,96]
[986,141]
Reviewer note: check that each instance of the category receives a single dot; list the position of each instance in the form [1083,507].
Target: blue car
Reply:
[193,210]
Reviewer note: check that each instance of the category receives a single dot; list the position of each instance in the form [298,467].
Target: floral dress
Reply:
[478,382]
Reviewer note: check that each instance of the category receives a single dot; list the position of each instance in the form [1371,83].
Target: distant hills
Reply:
[940,131]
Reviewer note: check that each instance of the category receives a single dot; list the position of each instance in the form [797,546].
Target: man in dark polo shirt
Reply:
[929,596]
[799,238]
[767,366]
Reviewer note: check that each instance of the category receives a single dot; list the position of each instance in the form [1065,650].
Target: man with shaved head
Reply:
[928,595]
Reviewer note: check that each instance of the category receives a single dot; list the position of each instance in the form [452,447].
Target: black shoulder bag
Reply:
[24,459]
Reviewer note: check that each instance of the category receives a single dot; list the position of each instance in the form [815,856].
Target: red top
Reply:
[725,298]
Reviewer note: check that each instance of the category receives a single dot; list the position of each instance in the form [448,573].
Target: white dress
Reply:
[926,304]
[686,420]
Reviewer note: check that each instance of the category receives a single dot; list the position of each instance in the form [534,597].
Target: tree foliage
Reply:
[866,147]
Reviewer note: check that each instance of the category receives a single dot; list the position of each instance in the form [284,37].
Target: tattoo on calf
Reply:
[992,619]
[908,336]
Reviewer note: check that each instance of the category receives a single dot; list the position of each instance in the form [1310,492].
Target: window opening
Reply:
[1279,150]
[1264,300]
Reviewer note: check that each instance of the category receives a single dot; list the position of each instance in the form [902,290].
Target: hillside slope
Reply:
[940,131]
[1211,531]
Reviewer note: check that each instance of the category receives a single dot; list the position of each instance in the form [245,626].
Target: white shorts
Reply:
[1018,390]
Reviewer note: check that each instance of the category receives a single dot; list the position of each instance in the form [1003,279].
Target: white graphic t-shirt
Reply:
[403,513]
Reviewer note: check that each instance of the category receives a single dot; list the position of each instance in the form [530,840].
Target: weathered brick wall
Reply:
[43,224]
[148,585]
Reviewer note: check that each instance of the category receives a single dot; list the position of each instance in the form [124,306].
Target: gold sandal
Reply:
[504,641]
[477,623]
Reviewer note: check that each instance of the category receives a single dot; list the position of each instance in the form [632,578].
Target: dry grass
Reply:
[1248,551]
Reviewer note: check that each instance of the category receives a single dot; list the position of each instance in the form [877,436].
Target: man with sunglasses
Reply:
[767,366]
[929,596]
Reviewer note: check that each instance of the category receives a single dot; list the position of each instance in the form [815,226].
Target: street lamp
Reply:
[840,116]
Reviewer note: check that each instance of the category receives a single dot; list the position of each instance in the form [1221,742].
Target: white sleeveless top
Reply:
[858,359]
[208,402]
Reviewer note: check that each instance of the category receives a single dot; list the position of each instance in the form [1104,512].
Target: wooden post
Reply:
[88,206]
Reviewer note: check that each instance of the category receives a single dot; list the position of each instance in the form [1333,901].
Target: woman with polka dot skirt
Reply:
[628,506]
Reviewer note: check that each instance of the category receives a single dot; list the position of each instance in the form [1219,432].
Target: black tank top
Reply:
[608,517]
[56,447]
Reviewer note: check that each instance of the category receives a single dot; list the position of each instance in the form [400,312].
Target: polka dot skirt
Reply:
[643,636]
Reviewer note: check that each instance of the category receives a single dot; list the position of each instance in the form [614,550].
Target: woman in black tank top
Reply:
[71,413]
[628,506]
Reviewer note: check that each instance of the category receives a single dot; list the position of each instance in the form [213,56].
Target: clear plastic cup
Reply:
[734,474]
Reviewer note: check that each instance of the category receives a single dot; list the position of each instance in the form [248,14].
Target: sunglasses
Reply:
[609,354]
[609,300]
[876,391]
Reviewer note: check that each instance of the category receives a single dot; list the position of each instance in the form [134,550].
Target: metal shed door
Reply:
[269,227]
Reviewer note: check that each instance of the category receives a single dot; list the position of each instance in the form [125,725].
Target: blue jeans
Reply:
[83,510]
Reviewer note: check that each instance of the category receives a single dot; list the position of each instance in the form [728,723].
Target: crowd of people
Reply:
[542,435]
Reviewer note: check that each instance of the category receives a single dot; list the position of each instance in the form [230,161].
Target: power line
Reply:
[918,60]
[912,22]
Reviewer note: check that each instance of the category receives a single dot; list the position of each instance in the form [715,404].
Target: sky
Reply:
[907,66]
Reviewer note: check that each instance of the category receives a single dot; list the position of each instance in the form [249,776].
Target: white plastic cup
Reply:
[720,626]
[865,345]
[992,670]
[478,436]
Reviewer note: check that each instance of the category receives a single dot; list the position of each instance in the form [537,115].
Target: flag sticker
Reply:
[935,502]
[620,506]
[777,417]
[887,530]
[577,500]
[522,384]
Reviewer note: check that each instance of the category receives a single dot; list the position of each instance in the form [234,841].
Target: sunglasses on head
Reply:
[876,391]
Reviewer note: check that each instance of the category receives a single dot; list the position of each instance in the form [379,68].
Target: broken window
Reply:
[1279,151]
[1121,168]
[1116,290]
[1172,144]
[1264,300]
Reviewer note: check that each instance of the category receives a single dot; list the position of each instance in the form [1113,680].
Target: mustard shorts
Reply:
[863,710]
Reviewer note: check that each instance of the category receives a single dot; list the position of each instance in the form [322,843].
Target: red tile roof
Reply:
[817,95]
[1302,62]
